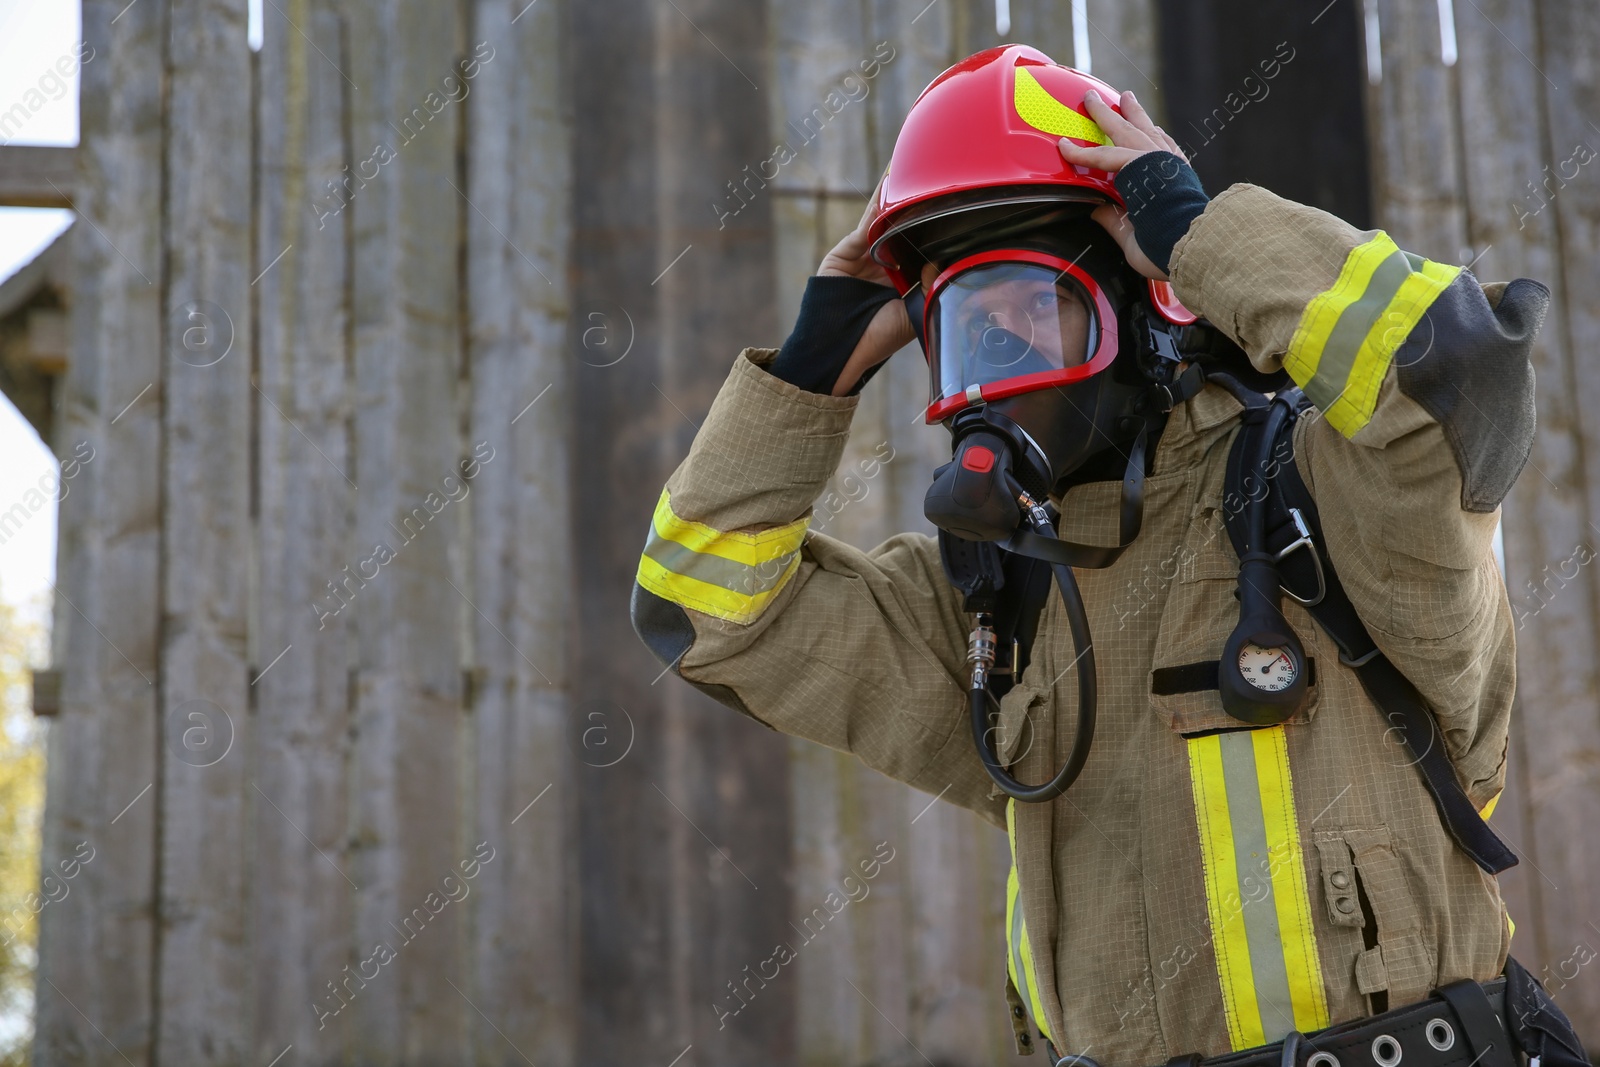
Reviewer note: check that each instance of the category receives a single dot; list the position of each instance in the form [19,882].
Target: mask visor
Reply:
[1011,321]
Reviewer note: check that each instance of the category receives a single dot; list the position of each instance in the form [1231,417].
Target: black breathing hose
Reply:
[1078,621]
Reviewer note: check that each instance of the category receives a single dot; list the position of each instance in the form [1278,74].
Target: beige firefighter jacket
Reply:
[1195,890]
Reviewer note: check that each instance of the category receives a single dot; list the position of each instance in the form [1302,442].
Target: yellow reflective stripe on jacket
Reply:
[1256,892]
[1488,808]
[1019,955]
[732,576]
[1045,113]
[1347,336]
[1484,813]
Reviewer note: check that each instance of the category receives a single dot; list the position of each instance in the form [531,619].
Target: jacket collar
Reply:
[1193,427]
[1089,511]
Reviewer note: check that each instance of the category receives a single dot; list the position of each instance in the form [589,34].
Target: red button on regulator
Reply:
[978,458]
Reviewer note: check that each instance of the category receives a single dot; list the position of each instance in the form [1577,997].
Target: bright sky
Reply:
[33,35]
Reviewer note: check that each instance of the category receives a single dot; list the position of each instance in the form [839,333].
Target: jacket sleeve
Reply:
[859,651]
[1424,384]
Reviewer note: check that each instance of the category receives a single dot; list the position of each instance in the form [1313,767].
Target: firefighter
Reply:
[1281,869]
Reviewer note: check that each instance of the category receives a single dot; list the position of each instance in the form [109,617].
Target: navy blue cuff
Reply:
[834,313]
[1164,196]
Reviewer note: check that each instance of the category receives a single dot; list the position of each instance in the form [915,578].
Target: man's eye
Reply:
[1043,301]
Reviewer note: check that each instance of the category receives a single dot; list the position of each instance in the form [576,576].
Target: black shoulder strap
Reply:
[1262,474]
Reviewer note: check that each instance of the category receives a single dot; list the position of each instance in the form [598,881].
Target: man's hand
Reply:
[890,329]
[1132,134]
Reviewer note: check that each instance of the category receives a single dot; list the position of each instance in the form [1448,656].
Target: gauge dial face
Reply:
[1270,670]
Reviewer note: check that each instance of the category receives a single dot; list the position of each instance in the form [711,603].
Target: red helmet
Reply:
[984,133]
[977,158]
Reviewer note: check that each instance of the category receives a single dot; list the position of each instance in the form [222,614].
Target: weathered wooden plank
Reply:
[815,48]
[820,106]
[303,903]
[918,961]
[1516,238]
[1415,150]
[518,232]
[37,175]
[1122,44]
[95,990]
[624,441]
[729,776]
[203,966]
[1564,730]
[658,947]
[405,120]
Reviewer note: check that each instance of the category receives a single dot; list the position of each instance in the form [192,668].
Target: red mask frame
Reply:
[1106,344]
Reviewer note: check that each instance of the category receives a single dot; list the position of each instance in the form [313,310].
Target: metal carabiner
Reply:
[1304,541]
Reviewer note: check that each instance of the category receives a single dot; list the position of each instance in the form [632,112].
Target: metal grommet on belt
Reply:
[1386,1051]
[1323,1059]
[1441,1035]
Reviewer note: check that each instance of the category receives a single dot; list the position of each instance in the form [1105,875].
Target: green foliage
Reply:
[21,809]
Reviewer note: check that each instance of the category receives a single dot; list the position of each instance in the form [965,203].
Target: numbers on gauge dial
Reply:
[1268,669]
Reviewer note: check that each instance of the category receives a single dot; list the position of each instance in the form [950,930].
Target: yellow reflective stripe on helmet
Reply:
[1256,891]
[731,576]
[1348,334]
[1045,113]
[1019,957]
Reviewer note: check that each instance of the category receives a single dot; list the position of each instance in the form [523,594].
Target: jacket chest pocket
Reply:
[1365,888]
[1199,614]
[1014,731]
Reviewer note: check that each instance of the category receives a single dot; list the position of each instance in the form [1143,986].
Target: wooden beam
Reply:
[203,945]
[37,175]
[518,167]
[305,906]
[1417,184]
[96,971]
[49,342]
[662,910]
[1548,213]
[406,305]
[46,692]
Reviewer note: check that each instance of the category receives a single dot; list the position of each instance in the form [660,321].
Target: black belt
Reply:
[1461,1025]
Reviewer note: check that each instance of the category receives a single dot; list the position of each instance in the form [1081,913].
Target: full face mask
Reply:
[1026,356]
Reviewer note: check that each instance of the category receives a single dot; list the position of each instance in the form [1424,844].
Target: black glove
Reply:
[1164,196]
[834,313]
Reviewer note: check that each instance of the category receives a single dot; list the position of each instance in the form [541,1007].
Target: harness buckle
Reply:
[1304,541]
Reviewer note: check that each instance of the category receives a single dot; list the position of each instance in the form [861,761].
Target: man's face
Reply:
[1049,316]
[1004,320]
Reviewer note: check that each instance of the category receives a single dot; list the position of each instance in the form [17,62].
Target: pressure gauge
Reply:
[1271,670]
[1261,674]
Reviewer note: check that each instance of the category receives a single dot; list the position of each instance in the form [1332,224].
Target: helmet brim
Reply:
[948,227]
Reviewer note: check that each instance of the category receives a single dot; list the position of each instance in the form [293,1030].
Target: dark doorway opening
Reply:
[1271,94]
